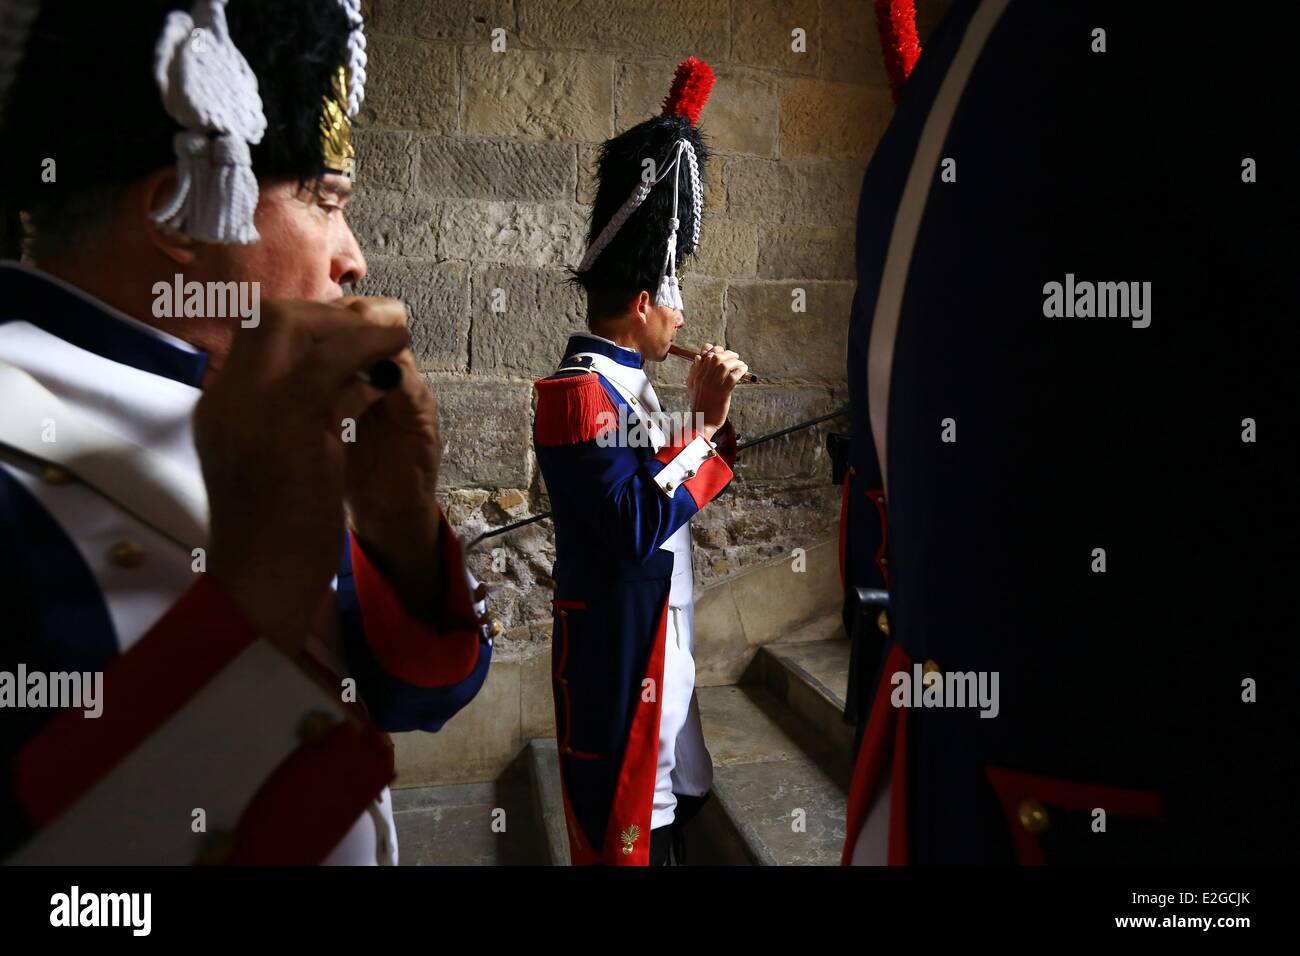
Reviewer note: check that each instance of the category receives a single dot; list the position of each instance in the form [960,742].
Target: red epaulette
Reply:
[572,410]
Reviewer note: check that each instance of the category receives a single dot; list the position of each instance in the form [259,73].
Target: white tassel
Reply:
[216,195]
[208,88]
[186,146]
[669,295]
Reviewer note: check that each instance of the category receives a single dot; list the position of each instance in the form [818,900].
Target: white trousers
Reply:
[685,766]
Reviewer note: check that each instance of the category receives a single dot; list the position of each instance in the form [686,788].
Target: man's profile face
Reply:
[307,250]
[660,329]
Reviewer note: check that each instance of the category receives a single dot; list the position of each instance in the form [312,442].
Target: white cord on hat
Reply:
[668,294]
[209,89]
[612,227]
[639,195]
[356,56]
[697,196]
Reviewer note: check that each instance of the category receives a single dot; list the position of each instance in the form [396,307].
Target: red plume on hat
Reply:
[899,42]
[691,87]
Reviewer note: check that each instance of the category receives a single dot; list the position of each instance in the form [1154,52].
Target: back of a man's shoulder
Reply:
[572,407]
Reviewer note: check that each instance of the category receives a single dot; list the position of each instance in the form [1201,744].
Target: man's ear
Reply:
[150,194]
[641,307]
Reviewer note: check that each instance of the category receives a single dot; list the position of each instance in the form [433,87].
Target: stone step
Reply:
[779,746]
[811,679]
[779,786]
[548,800]
[470,824]
[713,841]
[829,626]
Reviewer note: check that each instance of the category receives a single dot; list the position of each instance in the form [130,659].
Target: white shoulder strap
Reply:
[165,496]
[645,406]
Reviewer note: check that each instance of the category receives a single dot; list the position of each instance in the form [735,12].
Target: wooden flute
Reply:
[749,378]
[383,375]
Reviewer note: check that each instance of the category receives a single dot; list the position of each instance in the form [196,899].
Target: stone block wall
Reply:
[476,149]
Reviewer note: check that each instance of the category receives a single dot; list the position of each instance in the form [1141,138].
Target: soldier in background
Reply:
[624,482]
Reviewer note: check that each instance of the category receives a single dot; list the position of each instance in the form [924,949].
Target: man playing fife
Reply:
[632,756]
[176,493]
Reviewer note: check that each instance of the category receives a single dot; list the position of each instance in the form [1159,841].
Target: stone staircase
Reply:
[782,758]
[471,824]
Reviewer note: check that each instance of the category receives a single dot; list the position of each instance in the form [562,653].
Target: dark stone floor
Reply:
[454,825]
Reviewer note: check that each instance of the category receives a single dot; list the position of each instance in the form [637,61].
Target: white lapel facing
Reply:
[122,431]
[634,385]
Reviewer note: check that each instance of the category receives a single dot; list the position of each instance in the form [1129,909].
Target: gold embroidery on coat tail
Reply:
[629,837]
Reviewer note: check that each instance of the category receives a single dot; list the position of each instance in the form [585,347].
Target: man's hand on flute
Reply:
[710,382]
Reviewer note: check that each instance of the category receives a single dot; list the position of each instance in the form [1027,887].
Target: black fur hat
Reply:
[632,259]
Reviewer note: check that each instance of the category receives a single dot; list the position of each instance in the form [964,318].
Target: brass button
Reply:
[216,849]
[126,554]
[315,727]
[882,622]
[495,630]
[562,612]
[930,667]
[489,615]
[712,453]
[54,475]
[884,561]
[668,486]
[566,750]
[690,473]
[632,400]
[1033,816]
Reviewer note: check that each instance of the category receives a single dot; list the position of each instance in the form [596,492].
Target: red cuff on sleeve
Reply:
[198,636]
[709,481]
[669,452]
[712,475]
[435,654]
